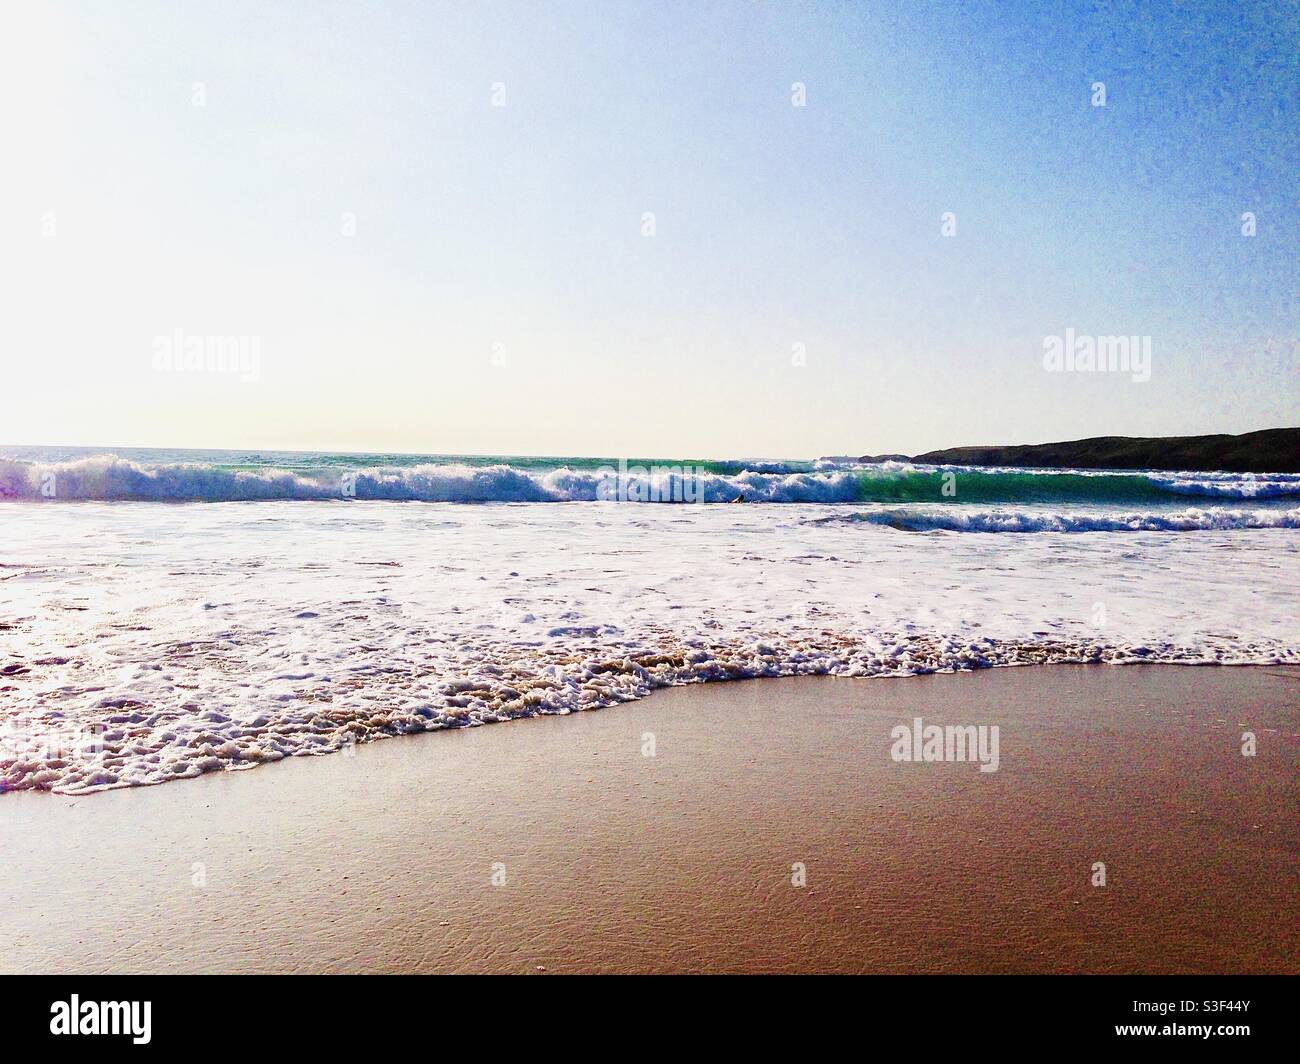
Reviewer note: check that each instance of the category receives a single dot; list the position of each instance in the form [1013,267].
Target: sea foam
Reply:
[953,519]
[146,643]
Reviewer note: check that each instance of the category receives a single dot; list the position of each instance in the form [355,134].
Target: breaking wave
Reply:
[111,478]
[1189,520]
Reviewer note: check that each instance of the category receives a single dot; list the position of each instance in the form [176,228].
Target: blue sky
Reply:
[516,231]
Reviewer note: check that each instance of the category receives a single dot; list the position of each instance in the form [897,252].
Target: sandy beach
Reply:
[613,861]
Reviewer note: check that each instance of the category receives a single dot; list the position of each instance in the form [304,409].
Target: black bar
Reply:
[358,1013]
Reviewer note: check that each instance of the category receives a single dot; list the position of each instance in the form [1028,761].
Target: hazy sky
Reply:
[499,295]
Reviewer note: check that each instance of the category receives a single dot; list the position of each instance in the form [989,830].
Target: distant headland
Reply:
[1266,451]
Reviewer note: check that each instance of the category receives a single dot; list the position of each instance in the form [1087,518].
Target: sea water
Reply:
[167,613]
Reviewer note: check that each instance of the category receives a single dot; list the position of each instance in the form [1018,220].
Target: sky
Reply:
[607,229]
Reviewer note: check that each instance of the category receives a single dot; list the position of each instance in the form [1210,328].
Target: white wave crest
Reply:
[110,478]
[1230,485]
[1189,520]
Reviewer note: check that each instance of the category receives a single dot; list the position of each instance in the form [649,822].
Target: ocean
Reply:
[165,613]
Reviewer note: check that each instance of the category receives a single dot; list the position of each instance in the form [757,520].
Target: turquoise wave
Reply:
[982,486]
[196,476]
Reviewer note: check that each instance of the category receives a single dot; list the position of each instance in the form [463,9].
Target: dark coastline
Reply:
[1266,451]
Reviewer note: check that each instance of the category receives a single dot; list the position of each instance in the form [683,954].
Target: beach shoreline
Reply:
[671,834]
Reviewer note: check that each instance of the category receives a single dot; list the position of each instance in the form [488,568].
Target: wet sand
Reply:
[619,862]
